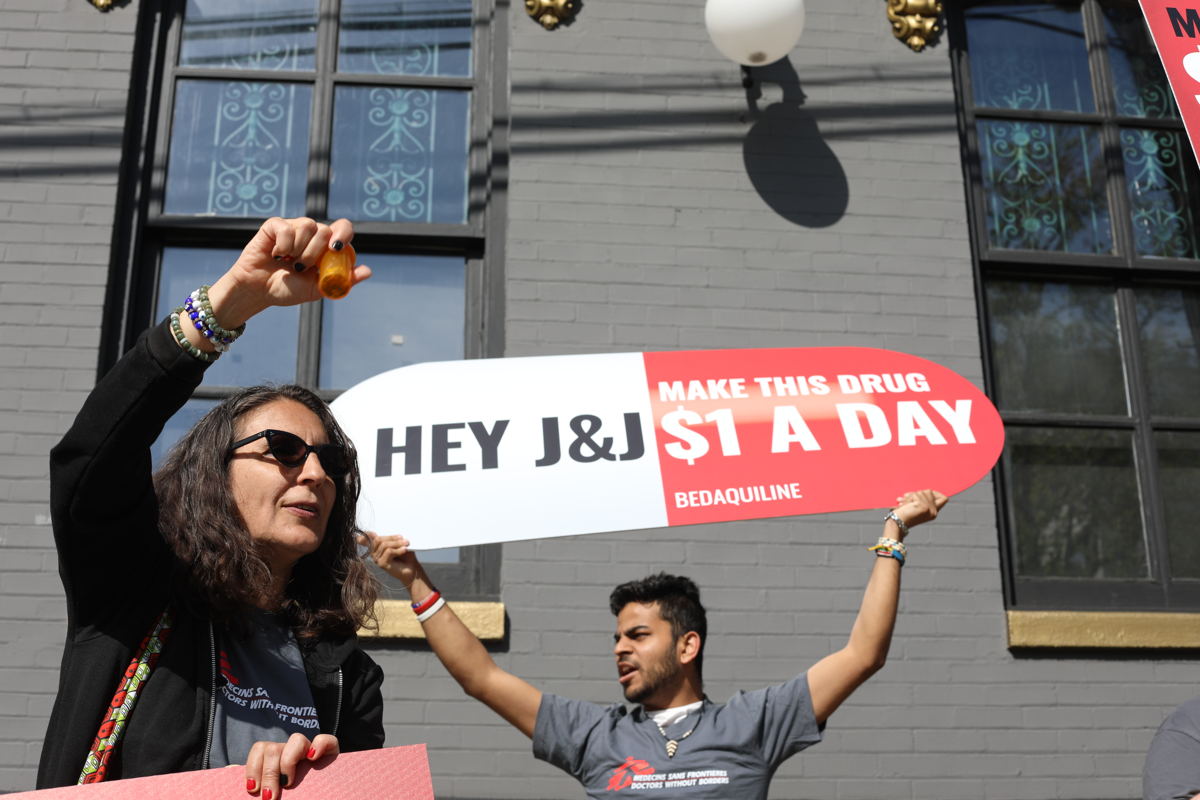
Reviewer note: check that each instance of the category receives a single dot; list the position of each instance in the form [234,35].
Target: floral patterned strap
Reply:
[95,766]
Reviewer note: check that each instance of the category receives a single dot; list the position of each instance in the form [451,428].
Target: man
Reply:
[1172,770]
[675,742]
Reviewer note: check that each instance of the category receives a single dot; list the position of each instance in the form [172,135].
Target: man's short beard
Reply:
[661,674]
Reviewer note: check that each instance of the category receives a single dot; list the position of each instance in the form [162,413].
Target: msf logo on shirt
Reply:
[623,775]
[227,670]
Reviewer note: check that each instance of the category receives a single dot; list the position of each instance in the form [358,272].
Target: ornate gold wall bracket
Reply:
[915,22]
[551,13]
[103,5]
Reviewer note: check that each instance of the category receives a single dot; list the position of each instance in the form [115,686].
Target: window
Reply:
[376,110]
[1084,201]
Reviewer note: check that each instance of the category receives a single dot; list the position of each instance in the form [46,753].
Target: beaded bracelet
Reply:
[200,312]
[191,349]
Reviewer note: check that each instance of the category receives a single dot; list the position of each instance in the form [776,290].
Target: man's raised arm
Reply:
[459,650]
[832,679]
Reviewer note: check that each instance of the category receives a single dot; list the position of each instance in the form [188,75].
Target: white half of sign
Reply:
[492,450]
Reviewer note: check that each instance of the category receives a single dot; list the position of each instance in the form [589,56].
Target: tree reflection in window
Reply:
[1179,467]
[1075,505]
[1169,334]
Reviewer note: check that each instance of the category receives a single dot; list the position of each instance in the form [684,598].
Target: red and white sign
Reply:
[393,773]
[1175,28]
[470,452]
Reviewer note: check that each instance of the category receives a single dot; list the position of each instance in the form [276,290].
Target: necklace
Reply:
[673,744]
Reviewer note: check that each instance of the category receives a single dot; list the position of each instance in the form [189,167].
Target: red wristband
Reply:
[427,603]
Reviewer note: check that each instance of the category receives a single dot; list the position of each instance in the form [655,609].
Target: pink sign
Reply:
[394,773]
[1175,27]
[854,429]
[493,450]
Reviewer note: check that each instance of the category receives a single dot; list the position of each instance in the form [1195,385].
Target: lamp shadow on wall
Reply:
[787,160]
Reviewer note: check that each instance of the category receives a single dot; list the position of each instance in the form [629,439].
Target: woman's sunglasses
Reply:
[292,451]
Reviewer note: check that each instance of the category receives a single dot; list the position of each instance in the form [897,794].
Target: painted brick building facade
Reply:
[645,200]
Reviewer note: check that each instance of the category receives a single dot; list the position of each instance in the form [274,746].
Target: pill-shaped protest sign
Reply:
[471,452]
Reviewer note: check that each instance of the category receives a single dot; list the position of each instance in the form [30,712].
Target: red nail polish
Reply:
[250,784]
[312,753]
[266,794]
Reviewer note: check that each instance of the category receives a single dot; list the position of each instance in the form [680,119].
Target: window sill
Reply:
[1104,629]
[397,621]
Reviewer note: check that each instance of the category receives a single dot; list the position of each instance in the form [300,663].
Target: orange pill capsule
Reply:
[334,272]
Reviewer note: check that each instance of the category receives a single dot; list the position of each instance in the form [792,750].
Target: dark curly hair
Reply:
[330,591]
[678,601]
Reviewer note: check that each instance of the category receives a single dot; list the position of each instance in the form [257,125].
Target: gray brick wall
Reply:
[633,224]
[64,75]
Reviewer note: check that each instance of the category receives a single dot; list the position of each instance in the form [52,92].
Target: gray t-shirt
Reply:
[732,752]
[1172,768]
[262,691]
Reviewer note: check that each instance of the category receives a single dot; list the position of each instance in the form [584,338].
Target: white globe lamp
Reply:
[754,32]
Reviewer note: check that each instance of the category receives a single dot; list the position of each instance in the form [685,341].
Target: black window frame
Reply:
[1125,272]
[141,229]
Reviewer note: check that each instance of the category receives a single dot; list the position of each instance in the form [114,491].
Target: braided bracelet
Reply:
[887,552]
[890,548]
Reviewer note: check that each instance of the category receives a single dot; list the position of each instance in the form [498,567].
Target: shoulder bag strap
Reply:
[95,766]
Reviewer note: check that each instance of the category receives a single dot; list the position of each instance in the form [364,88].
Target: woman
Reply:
[232,572]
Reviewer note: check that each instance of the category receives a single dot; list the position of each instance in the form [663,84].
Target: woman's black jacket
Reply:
[118,574]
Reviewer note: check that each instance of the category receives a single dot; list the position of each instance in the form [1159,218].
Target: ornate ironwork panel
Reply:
[236,34]
[406,37]
[400,154]
[1029,56]
[1140,87]
[1044,186]
[238,148]
[1163,185]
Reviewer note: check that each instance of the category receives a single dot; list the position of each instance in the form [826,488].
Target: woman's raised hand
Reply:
[278,268]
